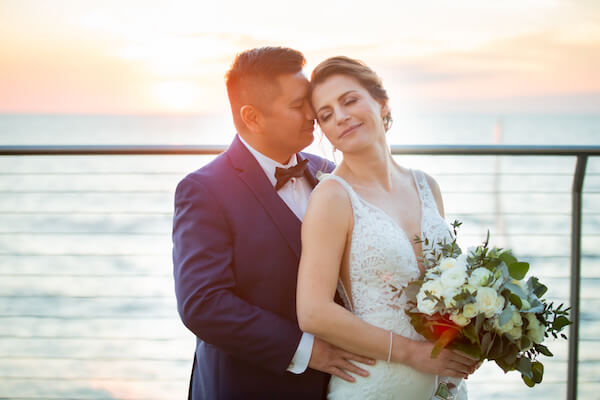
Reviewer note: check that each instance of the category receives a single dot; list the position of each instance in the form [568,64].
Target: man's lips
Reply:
[349,130]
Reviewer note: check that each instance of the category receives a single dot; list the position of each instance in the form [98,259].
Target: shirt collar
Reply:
[267,164]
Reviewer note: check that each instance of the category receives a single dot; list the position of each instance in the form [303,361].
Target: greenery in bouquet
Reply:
[478,302]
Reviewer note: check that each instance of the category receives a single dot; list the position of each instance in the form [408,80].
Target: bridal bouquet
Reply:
[478,302]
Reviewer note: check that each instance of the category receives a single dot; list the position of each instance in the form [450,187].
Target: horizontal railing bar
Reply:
[150,359]
[122,297]
[512,150]
[117,317]
[38,233]
[545,192]
[182,173]
[87,378]
[524,256]
[121,212]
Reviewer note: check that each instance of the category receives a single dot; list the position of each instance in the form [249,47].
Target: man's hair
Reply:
[252,77]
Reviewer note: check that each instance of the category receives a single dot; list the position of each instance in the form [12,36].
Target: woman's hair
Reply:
[356,69]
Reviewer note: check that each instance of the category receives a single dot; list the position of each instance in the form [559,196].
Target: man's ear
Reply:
[252,118]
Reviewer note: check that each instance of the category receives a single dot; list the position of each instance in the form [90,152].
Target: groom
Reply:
[236,237]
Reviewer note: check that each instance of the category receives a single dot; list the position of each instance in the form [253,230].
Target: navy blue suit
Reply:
[236,248]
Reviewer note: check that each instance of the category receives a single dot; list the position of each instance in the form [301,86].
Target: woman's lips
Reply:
[349,130]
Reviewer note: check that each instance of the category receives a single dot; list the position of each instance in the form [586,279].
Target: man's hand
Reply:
[331,359]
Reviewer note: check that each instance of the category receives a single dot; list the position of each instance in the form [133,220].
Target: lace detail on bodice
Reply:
[382,259]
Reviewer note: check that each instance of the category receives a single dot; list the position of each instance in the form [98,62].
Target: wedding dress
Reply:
[382,261]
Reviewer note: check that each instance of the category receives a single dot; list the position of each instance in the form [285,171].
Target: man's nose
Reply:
[308,111]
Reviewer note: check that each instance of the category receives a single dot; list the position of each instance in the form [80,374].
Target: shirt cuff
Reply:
[302,356]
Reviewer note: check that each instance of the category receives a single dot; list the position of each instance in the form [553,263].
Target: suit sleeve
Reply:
[205,286]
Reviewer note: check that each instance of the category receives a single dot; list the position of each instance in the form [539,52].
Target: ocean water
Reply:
[87,308]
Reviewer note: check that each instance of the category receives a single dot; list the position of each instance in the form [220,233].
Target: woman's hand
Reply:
[451,363]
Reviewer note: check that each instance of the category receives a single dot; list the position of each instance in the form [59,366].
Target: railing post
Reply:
[575,276]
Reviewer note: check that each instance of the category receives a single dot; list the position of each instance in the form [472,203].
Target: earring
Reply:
[387,122]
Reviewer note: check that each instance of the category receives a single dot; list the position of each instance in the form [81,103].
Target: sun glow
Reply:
[179,96]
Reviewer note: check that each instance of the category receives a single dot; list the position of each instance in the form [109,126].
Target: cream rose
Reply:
[447,263]
[488,301]
[459,319]
[454,277]
[427,306]
[470,310]
[480,277]
[535,330]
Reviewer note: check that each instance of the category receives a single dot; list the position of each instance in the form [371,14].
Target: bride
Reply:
[356,240]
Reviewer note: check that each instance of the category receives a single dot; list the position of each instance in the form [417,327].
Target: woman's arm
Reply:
[324,231]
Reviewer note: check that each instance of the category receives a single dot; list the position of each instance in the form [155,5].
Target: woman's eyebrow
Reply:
[339,97]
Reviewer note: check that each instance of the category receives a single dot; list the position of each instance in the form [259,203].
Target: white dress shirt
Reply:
[295,194]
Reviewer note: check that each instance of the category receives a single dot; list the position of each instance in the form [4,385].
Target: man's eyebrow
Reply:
[298,99]
[341,96]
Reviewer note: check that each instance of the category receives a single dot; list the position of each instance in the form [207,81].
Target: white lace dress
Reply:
[381,259]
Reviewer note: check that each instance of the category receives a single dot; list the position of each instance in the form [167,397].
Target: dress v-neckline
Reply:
[392,220]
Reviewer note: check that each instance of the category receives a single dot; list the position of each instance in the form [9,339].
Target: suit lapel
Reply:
[251,173]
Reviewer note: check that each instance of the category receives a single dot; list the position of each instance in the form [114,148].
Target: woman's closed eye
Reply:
[350,100]
[324,117]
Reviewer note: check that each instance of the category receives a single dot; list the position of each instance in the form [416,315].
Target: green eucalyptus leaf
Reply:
[538,371]
[560,323]
[507,257]
[523,364]
[528,382]
[518,270]
[516,300]
[505,367]
[543,350]
[536,287]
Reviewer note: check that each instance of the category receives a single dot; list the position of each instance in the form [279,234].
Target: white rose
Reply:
[480,277]
[470,310]
[427,306]
[447,263]
[487,301]
[500,303]
[454,277]
[459,319]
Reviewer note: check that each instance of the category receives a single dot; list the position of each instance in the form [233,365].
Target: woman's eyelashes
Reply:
[346,102]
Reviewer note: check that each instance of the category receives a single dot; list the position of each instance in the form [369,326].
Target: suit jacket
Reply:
[236,249]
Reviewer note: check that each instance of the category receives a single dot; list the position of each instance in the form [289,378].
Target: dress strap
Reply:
[424,190]
[354,199]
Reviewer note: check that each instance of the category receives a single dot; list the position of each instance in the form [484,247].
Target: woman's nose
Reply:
[341,116]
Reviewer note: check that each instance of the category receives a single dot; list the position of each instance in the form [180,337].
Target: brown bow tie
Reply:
[285,174]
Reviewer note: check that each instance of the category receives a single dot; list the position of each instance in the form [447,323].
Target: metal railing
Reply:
[581,154]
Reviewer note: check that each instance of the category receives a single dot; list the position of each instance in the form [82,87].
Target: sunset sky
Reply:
[130,56]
